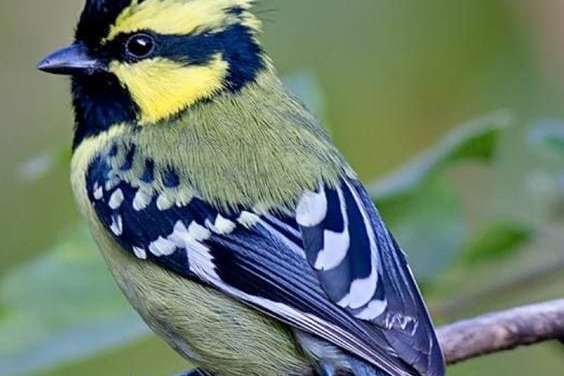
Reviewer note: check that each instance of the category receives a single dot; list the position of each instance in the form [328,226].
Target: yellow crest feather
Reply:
[181,16]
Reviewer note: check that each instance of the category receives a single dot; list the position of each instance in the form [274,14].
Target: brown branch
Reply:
[502,331]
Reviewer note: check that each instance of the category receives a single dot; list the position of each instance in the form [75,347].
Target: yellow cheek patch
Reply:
[162,88]
[180,16]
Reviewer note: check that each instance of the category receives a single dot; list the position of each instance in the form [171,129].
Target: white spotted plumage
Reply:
[117,225]
[116,199]
[140,253]
[336,243]
[373,310]
[165,202]
[248,219]
[312,208]
[162,247]
[191,237]
[98,191]
[362,290]
[141,200]
[223,225]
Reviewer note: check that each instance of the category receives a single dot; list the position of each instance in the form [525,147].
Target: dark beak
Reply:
[72,60]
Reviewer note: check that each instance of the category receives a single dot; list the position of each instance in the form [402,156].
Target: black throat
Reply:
[100,102]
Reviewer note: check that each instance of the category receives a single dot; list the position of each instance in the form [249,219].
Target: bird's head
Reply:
[145,61]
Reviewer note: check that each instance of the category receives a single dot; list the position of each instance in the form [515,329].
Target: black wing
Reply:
[365,272]
[260,259]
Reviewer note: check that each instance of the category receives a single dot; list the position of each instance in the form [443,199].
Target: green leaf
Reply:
[548,136]
[429,225]
[497,241]
[421,207]
[475,141]
[63,305]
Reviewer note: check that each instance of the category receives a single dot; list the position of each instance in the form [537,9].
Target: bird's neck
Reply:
[258,147]
[100,102]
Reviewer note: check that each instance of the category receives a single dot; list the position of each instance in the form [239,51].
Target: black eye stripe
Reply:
[195,49]
[236,44]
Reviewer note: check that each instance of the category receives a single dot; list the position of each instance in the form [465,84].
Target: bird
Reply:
[227,216]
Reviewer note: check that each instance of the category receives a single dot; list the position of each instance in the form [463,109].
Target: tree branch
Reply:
[502,331]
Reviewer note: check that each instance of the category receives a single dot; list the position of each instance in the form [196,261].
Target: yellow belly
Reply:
[208,328]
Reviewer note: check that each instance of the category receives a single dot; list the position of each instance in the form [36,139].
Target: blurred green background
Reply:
[467,95]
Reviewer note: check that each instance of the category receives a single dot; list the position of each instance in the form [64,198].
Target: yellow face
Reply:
[142,62]
[162,88]
[171,54]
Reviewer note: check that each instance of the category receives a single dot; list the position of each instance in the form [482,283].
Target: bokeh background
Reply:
[466,95]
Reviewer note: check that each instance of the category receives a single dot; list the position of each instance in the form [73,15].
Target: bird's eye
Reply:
[140,46]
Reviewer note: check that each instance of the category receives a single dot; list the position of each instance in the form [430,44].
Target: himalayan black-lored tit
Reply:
[227,216]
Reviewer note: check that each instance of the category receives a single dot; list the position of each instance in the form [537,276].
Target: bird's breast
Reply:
[203,325]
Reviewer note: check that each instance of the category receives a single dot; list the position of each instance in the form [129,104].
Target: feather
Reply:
[357,294]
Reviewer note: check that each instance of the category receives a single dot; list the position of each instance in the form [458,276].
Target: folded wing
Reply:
[330,268]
